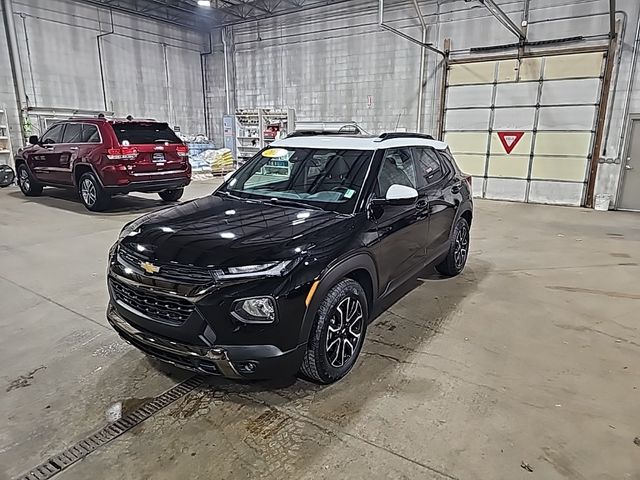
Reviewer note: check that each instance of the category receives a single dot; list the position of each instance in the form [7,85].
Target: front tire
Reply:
[27,183]
[337,334]
[456,258]
[92,194]
[172,195]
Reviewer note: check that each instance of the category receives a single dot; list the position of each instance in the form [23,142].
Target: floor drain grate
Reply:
[84,447]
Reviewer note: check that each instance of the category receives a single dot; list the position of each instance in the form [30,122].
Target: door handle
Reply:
[48,147]
[73,148]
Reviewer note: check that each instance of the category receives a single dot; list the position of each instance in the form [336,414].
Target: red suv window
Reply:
[138,133]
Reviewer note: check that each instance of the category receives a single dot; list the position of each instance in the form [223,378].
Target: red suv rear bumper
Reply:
[116,179]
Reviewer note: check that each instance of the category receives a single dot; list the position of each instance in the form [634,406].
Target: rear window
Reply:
[136,133]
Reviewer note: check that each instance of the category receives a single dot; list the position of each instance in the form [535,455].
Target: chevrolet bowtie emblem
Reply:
[149,267]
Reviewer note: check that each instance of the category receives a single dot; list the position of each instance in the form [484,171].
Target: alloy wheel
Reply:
[461,248]
[88,191]
[24,180]
[344,331]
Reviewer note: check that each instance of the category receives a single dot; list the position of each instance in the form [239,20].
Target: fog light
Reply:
[255,310]
[246,367]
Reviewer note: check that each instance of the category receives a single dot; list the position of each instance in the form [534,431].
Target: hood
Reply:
[218,231]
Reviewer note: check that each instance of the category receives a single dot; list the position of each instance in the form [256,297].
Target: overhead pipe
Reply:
[16,67]
[422,65]
[602,108]
[205,85]
[423,47]
[614,93]
[226,70]
[629,89]
[100,61]
[381,24]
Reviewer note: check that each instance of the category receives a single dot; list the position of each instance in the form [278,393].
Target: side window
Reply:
[430,166]
[73,133]
[90,133]
[397,169]
[53,135]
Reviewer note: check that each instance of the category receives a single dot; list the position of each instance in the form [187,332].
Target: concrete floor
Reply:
[532,355]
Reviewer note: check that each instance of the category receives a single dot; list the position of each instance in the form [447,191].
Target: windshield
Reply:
[138,133]
[330,179]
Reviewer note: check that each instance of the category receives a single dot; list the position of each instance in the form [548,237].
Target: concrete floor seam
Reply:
[51,300]
[332,430]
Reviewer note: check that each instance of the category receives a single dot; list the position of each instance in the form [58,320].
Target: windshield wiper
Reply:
[292,203]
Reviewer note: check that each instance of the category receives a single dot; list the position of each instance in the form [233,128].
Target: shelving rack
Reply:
[253,128]
[6,152]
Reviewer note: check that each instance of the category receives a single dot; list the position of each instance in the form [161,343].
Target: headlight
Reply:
[131,228]
[272,269]
[255,310]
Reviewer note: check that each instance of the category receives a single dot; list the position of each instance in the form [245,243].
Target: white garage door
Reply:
[525,128]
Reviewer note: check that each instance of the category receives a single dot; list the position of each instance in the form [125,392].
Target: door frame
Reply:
[634,117]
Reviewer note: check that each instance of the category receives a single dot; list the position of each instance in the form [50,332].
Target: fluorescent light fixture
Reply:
[204,3]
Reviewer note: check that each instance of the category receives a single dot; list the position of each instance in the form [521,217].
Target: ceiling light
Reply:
[204,3]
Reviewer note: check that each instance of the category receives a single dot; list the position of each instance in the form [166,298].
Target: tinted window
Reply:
[53,135]
[331,179]
[429,165]
[73,133]
[397,169]
[90,133]
[137,133]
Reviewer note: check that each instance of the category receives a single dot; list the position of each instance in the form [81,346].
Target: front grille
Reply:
[169,271]
[156,306]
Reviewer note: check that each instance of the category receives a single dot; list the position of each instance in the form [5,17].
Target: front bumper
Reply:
[232,361]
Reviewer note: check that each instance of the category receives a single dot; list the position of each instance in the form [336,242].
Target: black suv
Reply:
[280,268]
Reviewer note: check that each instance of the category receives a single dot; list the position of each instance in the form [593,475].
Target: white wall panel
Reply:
[515,94]
[567,118]
[469,96]
[476,119]
[521,118]
[562,92]
[556,193]
[472,73]
[506,189]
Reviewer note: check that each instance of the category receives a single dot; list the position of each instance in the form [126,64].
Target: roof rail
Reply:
[390,135]
[344,130]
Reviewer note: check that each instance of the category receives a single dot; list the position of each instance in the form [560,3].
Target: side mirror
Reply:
[398,195]
[227,176]
[33,140]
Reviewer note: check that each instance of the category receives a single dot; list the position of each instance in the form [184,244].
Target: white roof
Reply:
[344,142]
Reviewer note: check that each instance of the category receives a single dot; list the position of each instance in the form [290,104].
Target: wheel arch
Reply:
[359,267]
[80,169]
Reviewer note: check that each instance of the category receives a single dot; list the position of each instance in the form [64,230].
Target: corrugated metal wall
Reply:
[335,64]
[330,63]
[151,69]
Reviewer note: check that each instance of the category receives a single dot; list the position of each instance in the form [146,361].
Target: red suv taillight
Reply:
[122,153]
[469,180]
[182,151]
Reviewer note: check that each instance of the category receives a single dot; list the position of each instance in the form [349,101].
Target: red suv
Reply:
[103,157]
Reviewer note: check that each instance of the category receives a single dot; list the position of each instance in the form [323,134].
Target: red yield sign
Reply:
[510,139]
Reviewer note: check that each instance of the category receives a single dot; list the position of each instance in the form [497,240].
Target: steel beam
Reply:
[503,18]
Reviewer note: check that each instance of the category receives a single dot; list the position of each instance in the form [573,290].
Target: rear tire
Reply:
[337,334]
[92,194]
[458,253]
[29,186]
[172,195]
